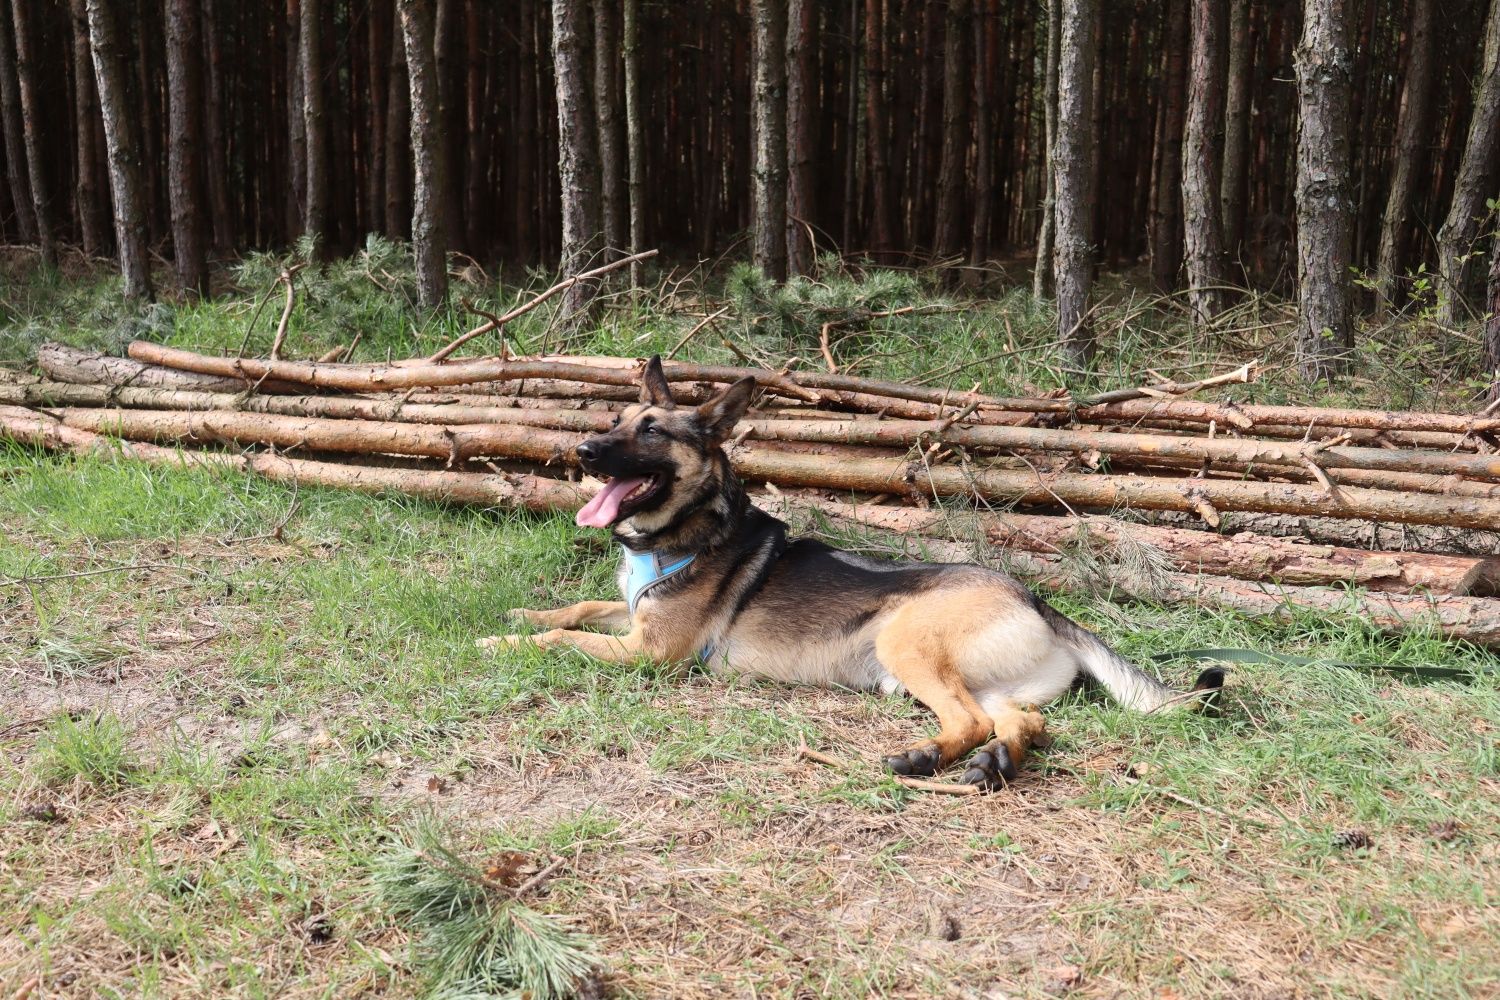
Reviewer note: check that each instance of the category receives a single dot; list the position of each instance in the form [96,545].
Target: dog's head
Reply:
[658,458]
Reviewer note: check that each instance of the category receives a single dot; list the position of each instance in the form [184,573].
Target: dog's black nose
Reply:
[587,451]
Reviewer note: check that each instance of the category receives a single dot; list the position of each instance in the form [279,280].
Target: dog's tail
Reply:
[1130,685]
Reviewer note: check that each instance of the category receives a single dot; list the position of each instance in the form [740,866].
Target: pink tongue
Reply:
[604,509]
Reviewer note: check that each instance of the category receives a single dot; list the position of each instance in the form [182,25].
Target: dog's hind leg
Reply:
[609,614]
[1017,729]
[919,659]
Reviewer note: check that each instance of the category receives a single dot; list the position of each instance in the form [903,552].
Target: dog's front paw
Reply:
[541,640]
[920,761]
[991,767]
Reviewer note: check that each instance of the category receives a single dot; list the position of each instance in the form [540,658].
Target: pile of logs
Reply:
[895,458]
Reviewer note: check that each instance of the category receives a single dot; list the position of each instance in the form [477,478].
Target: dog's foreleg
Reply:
[612,648]
[962,724]
[609,614]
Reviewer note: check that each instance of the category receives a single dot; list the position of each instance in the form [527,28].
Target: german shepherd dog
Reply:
[705,573]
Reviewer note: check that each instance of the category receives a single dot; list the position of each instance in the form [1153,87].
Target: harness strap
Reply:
[643,570]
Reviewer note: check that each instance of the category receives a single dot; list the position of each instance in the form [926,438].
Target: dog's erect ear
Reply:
[719,415]
[654,387]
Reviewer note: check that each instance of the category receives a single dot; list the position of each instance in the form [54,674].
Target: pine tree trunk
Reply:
[882,205]
[32,128]
[984,84]
[1041,279]
[956,79]
[1232,190]
[578,162]
[91,219]
[378,34]
[1203,157]
[1166,220]
[607,108]
[429,242]
[801,131]
[1073,258]
[1492,323]
[315,219]
[526,137]
[477,217]
[222,218]
[398,155]
[296,123]
[1410,155]
[768,191]
[635,139]
[1325,331]
[184,140]
[15,132]
[450,122]
[1460,234]
[124,150]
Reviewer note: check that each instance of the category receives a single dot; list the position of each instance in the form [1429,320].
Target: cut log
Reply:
[1244,555]
[870,475]
[70,364]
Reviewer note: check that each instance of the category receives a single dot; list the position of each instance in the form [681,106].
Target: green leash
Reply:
[1429,671]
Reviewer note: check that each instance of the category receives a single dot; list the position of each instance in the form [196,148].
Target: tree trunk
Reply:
[15,132]
[480,225]
[957,45]
[635,137]
[1074,255]
[450,120]
[984,84]
[1203,158]
[1166,219]
[429,241]
[91,219]
[1410,160]
[315,218]
[1492,323]
[1460,233]
[296,122]
[526,201]
[578,161]
[222,218]
[801,132]
[377,50]
[32,129]
[1236,134]
[1041,278]
[185,140]
[123,145]
[398,155]
[881,231]
[768,192]
[607,108]
[1325,333]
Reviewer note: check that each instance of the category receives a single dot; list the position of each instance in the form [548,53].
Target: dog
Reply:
[707,574]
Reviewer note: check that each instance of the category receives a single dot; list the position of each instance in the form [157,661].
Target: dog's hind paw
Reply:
[920,761]
[500,641]
[991,767]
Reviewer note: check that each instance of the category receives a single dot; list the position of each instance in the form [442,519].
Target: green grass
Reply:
[215,766]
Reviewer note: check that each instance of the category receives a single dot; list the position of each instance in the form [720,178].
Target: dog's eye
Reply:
[651,430]
[615,422]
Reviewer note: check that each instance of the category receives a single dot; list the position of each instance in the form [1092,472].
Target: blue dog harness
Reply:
[643,571]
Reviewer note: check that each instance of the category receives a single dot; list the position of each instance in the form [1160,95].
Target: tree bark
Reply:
[398,154]
[185,140]
[315,218]
[1203,158]
[801,131]
[954,163]
[1458,237]
[1410,159]
[578,162]
[221,214]
[92,224]
[31,128]
[1491,356]
[634,135]
[607,109]
[15,132]
[429,240]
[1237,97]
[768,192]
[123,145]
[882,228]
[1073,257]
[1166,218]
[296,122]
[1325,323]
[984,83]
[1041,278]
